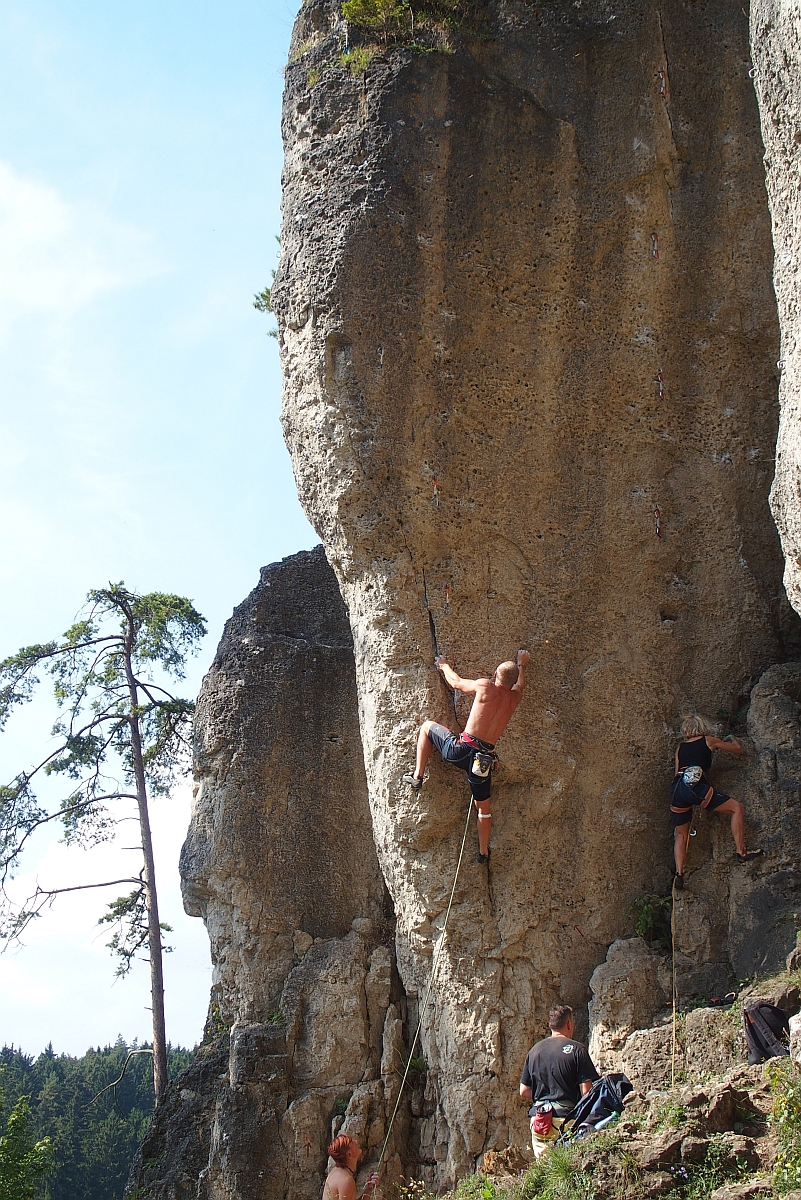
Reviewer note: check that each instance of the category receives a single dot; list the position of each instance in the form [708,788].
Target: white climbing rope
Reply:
[675,997]
[423,1006]
[673,958]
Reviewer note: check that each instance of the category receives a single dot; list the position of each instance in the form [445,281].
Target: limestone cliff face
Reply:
[529,346]
[776,51]
[281,864]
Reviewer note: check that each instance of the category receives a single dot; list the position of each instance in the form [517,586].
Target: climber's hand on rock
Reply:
[439,662]
[522,657]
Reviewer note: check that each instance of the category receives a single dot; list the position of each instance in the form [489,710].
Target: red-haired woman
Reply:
[341,1183]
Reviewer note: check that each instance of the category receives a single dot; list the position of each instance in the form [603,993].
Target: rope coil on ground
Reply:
[423,1006]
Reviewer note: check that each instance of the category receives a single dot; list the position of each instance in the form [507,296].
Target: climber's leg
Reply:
[424,748]
[484,825]
[681,836]
[735,809]
[433,735]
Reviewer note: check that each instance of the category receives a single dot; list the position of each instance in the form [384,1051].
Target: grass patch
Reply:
[357,58]
[785,1083]
[699,1182]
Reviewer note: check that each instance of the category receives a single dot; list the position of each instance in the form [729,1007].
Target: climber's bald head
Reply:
[506,674]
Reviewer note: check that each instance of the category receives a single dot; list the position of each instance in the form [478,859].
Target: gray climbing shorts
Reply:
[459,754]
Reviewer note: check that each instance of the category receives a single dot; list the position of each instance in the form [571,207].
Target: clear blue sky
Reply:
[140,161]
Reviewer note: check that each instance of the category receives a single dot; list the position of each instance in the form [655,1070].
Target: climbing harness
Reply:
[484,759]
[424,1005]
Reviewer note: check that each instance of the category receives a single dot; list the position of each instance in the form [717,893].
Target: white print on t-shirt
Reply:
[568,1049]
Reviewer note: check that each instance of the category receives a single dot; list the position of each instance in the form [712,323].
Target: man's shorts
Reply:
[684,797]
[460,755]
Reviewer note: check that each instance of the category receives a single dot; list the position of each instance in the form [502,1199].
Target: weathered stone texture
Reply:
[280,850]
[535,273]
[776,51]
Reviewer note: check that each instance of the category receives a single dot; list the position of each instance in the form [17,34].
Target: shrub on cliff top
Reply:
[388,17]
[401,22]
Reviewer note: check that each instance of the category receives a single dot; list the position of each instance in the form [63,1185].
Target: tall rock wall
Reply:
[776,51]
[529,345]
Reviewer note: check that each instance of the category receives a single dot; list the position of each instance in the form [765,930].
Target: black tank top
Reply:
[695,754]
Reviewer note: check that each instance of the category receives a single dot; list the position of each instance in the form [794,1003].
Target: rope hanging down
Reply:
[675,993]
[673,966]
[423,1006]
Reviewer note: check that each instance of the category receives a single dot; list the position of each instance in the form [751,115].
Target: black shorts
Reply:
[460,755]
[684,797]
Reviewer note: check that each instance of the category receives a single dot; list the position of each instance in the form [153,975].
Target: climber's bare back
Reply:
[492,710]
[340,1185]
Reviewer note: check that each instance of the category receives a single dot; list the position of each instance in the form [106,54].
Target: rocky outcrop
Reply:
[307,1010]
[628,990]
[529,348]
[776,52]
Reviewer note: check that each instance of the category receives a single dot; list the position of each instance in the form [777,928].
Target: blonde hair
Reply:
[507,673]
[694,725]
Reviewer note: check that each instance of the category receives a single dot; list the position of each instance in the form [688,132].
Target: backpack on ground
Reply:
[603,1101]
[767,1031]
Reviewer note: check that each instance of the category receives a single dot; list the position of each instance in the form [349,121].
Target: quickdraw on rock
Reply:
[435,485]
[663,83]
[655,245]
[657,521]
[660,382]
[447,605]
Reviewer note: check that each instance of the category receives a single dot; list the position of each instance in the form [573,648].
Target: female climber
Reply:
[341,1183]
[691,786]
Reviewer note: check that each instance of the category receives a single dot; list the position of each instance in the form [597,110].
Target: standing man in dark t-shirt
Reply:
[558,1071]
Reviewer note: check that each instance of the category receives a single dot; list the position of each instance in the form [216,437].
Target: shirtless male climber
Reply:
[474,750]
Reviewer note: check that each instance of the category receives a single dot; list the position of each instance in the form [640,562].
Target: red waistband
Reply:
[476,743]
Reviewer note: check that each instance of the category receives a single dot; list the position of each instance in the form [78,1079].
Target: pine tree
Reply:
[108,673]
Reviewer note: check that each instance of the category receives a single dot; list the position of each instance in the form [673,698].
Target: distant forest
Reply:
[93,1143]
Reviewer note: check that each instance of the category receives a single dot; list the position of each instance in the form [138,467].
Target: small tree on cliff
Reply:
[118,721]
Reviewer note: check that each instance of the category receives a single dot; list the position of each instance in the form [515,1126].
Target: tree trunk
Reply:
[160,1077]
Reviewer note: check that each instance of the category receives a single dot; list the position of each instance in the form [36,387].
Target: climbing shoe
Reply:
[749,854]
[678,881]
[412,781]
[482,858]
